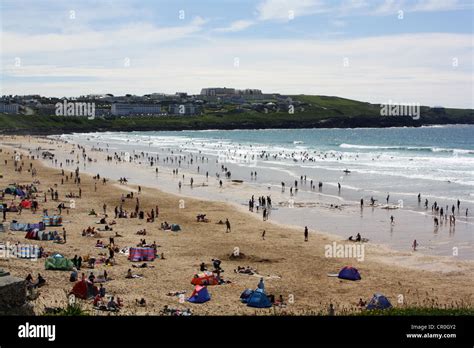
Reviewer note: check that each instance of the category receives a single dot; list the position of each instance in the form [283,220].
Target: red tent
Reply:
[205,278]
[25,204]
[84,289]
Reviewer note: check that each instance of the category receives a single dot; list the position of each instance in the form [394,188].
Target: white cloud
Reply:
[236,26]
[436,5]
[408,68]
[282,10]
[392,6]
[18,44]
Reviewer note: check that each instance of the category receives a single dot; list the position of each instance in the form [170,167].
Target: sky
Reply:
[400,51]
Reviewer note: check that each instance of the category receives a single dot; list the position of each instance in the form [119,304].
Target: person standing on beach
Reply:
[339,187]
[263,235]
[415,244]
[306,233]
[105,208]
[331,309]
[4,211]
[64,235]
[419,198]
[388,197]
[227,224]
[391,219]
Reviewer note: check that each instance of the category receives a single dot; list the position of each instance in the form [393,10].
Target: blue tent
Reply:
[259,299]
[199,295]
[379,301]
[349,273]
[19,192]
[244,297]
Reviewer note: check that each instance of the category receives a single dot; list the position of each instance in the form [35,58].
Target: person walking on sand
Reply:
[64,234]
[105,208]
[306,233]
[263,235]
[227,224]
[415,244]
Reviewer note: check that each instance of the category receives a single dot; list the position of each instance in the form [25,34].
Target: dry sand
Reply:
[302,266]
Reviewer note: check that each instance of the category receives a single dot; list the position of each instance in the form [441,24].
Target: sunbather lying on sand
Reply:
[246,270]
[202,218]
[130,275]
[143,265]
[141,302]
[176,293]
[176,312]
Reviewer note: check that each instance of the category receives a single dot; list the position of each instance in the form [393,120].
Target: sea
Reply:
[392,166]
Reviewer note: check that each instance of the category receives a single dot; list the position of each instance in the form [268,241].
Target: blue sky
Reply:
[379,50]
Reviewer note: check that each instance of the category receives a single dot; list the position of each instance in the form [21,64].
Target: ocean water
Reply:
[435,162]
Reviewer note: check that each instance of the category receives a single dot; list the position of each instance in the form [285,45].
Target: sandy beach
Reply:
[293,268]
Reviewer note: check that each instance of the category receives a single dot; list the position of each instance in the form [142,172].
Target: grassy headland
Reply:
[316,112]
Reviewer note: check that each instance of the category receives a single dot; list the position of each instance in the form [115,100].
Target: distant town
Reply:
[210,100]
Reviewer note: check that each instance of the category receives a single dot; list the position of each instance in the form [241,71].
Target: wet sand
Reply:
[301,266]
